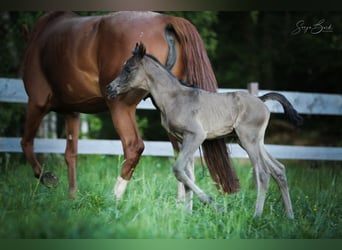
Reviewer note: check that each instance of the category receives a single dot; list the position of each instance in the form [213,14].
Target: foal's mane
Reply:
[184,83]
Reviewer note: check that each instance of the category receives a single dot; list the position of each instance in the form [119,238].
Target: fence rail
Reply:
[12,91]
[163,148]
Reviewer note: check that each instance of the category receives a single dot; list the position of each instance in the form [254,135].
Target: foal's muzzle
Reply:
[111,91]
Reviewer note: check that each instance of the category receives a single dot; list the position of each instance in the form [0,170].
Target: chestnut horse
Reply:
[69,61]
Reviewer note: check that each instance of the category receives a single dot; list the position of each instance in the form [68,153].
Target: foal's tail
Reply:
[199,72]
[289,110]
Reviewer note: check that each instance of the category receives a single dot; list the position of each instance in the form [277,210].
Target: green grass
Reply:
[150,208]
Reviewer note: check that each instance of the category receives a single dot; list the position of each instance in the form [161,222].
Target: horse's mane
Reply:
[38,28]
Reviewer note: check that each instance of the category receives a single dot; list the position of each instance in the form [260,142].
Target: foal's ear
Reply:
[139,50]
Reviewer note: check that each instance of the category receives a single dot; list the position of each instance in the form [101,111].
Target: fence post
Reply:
[253,88]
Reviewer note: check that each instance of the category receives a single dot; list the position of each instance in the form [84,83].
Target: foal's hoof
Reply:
[219,209]
[49,179]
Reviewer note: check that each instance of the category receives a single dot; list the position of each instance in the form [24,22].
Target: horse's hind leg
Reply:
[34,116]
[72,124]
[278,173]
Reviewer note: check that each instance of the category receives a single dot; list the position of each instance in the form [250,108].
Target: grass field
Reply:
[150,208]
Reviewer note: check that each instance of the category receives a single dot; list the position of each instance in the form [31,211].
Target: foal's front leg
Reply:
[185,194]
[190,172]
[186,157]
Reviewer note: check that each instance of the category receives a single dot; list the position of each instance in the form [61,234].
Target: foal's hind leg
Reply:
[262,178]
[72,124]
[278,173]
[253,145]
[34,116]
[264,165]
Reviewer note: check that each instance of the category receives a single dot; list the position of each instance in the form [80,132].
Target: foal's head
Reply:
[132,75]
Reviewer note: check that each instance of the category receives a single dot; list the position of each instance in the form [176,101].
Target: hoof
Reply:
[72,194]
[219,209]
[49,179]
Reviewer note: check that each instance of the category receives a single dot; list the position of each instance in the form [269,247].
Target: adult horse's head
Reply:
[132,76]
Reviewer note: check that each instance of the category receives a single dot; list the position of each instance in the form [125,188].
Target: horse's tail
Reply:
[289,110]
[199,72]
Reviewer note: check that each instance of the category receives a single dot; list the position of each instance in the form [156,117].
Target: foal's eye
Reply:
[127,69]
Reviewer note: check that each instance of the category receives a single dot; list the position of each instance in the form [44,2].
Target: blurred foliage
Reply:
[101,126]
[12,42]
[11,117]
[243,47]
[258,46]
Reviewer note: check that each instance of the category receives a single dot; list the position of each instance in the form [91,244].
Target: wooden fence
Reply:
[12,91]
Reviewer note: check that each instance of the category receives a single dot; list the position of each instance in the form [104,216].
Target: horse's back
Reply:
[251,110]
[74,57]
[220,113]
[60,61]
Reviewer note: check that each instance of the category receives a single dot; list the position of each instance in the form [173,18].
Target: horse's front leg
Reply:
[72,125]
[123,117]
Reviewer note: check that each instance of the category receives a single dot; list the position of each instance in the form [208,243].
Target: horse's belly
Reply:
[89,106]
[81,95]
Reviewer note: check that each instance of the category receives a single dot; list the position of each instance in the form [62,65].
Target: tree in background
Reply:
[262,46]
[12,45]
